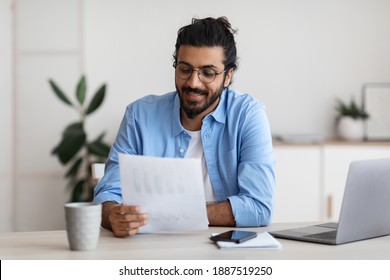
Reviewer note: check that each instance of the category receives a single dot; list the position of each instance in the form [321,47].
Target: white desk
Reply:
[185,246]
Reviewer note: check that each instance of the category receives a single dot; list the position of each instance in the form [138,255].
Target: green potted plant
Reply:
[75,150]
[350,120]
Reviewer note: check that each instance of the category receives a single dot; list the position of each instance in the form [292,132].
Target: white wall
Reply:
[6,112]
[296,56]
[47,44]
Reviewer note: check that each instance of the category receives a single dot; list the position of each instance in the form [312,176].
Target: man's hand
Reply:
[123,220]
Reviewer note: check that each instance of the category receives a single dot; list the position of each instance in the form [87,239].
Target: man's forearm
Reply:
[220,214]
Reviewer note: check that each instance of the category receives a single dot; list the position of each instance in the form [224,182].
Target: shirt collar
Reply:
[219,114]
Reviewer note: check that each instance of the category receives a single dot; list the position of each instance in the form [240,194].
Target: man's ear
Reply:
[228,77]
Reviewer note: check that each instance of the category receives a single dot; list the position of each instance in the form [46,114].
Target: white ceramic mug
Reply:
[83,225]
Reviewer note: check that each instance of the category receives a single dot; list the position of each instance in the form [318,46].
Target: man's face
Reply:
[198,98]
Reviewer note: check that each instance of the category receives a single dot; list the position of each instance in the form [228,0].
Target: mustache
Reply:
[195,90]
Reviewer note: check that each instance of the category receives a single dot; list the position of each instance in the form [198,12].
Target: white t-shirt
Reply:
[195,150]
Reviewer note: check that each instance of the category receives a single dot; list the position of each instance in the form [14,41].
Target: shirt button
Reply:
[181,150]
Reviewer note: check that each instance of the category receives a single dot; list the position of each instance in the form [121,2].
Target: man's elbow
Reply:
[260,218]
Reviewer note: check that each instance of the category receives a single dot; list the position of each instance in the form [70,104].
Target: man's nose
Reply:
[194,81]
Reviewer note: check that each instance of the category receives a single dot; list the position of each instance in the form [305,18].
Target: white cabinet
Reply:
[297,192]
[310,179]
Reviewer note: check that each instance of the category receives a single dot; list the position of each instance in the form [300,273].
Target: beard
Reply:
[192,109]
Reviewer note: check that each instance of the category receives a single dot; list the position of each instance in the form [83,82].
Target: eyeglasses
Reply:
[205,74]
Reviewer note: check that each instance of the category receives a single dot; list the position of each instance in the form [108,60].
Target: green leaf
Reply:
[97,99]
[81,90]
[72,141]
[72,172]
[99,149]
[68,148]
[90,194]
[78,190]
[60,93]
[351,109]
[100,137]
[73,129]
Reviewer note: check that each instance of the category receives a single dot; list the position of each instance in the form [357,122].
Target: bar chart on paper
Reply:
[170,190]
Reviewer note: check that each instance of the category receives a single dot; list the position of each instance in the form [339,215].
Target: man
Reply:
[203,118]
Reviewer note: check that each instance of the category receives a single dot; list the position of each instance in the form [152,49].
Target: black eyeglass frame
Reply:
[175,64]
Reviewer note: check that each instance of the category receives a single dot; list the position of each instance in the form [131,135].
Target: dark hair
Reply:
[209,32]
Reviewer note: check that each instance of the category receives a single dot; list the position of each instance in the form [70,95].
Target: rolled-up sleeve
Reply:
[252,206]
[109,187]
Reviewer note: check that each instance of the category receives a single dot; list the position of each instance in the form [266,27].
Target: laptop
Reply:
[365,210]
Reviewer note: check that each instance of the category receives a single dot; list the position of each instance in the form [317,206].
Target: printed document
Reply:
[169,190]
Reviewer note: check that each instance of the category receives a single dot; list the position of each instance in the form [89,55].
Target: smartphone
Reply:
[237,236]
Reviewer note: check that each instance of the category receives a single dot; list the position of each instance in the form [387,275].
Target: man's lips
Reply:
[194,94]
[194,90]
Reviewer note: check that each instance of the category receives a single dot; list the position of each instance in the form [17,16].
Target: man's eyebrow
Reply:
[209,66]
[202,66]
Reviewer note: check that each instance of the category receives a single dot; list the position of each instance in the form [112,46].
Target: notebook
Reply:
[365,210]
[262,241]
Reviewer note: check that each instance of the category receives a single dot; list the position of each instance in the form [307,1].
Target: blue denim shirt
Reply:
[236,141]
